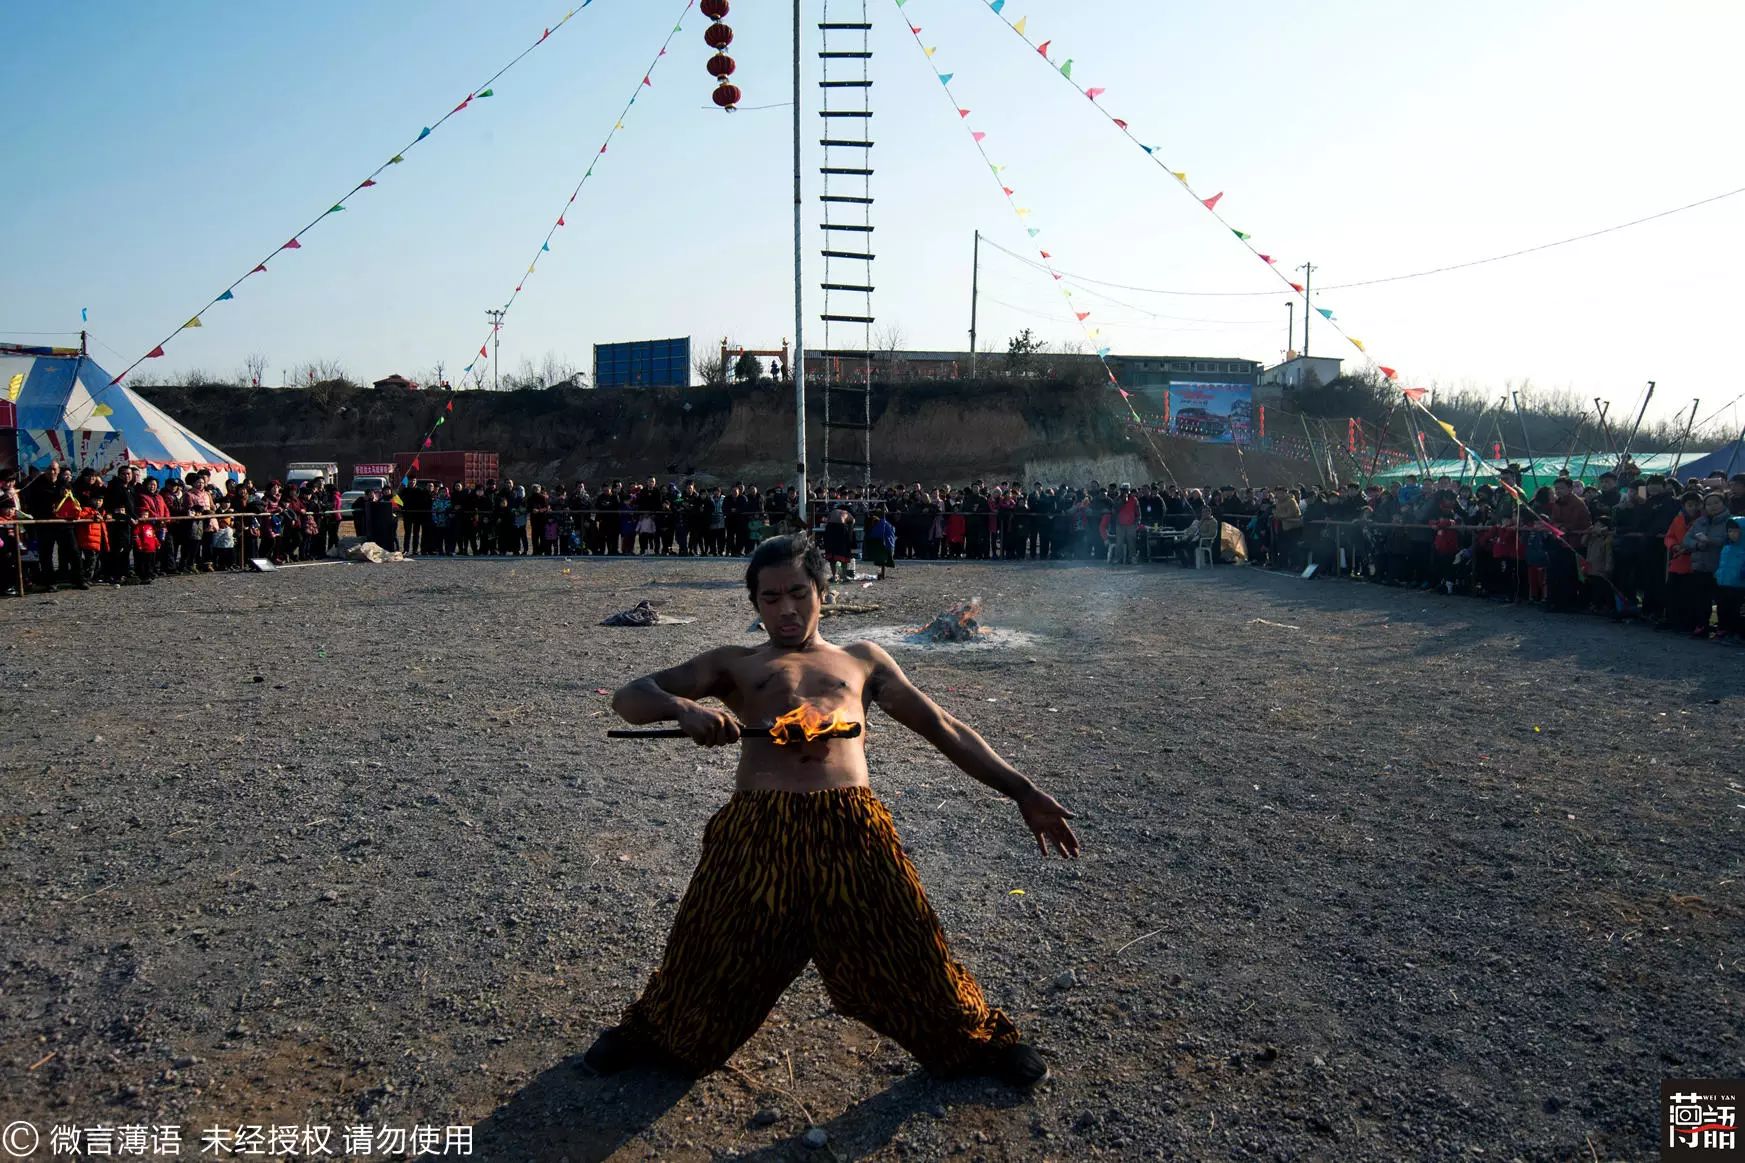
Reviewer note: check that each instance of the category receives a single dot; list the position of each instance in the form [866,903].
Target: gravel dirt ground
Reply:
[1368,874]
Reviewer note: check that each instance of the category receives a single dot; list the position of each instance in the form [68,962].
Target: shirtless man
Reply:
[804,864]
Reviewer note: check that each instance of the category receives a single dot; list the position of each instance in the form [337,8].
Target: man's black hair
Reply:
[786,550]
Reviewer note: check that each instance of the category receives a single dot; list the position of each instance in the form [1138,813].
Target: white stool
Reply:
[1203,555]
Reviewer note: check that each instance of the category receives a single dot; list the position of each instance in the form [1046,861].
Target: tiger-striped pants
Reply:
[788,877]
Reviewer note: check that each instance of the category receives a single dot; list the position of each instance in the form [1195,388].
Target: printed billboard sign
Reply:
[1215,413]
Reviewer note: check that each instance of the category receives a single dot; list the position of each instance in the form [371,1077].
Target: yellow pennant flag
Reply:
[1448,428]
[530,268]
[620,125]
[1180,175]
[1023,212]
[1020,26]
[1355,342]
[194,322]
[102,410]
[931,51]
[14,386]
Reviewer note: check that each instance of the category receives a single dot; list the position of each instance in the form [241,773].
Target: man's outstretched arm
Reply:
[963,745]
[673,694]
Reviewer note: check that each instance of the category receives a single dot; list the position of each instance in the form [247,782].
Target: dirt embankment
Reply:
[926,432]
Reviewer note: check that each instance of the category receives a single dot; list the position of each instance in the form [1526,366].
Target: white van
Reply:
[300,471]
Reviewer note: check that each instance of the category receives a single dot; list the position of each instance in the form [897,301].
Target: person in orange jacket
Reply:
[92,537]
[1678,566]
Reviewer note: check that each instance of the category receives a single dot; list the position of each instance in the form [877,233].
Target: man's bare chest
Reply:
[763,691]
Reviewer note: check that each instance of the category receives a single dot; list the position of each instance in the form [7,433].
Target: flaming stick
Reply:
[800,725]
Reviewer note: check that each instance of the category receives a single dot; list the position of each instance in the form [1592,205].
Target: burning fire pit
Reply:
[957,624]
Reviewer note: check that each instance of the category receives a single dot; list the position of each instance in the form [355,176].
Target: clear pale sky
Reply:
[157,151]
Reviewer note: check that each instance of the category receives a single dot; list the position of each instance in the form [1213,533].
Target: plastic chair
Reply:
[1203,555]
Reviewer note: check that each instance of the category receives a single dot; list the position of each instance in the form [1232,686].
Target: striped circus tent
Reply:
[67,410]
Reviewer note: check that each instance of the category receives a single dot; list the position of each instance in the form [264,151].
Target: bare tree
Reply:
[711,370]
[319,371]
[557,372]
[254,369]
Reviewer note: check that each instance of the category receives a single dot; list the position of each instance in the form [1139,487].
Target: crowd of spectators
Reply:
[1628,545]
[129,527]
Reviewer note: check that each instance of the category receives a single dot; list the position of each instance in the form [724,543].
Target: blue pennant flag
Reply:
[226,297]
[945,78]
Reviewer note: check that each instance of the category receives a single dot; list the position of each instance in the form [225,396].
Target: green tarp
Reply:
[1541,474]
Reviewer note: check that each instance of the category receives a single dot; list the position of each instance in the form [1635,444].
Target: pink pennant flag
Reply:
[292,245]
[1083,315]
[1267,258]
[914,30]
[1057,277]
[462,105]
[1212,202]
[1389,372]
[1045,254]
[647,81]
[663,52]
[1044,49]
[517,288]
[259,270]
[427,442]
[602,149]
[1009,191]
[1093,94]
[155,353]
[1125,394]
[560,219]
[543,35]
[1297,287]
[963,112]
[368,182]
[482,351]
[979,135]
[1121,123]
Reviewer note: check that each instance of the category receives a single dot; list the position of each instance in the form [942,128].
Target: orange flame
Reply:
[811,723]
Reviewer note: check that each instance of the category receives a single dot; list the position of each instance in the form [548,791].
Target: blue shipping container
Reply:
[647,363]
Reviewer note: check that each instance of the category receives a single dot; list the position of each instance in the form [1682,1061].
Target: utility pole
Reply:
[802,509]
[1308,270]
[974,299]
[496,315]
[1290,327]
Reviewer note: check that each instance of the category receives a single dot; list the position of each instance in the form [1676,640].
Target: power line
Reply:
[1396,278]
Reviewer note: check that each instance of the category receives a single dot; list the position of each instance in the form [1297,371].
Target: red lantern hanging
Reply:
[719,36]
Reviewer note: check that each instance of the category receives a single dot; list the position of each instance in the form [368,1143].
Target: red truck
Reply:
[449,468]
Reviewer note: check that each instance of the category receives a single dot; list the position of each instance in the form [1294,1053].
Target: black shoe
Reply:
[616,1050]
[1019,1066]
